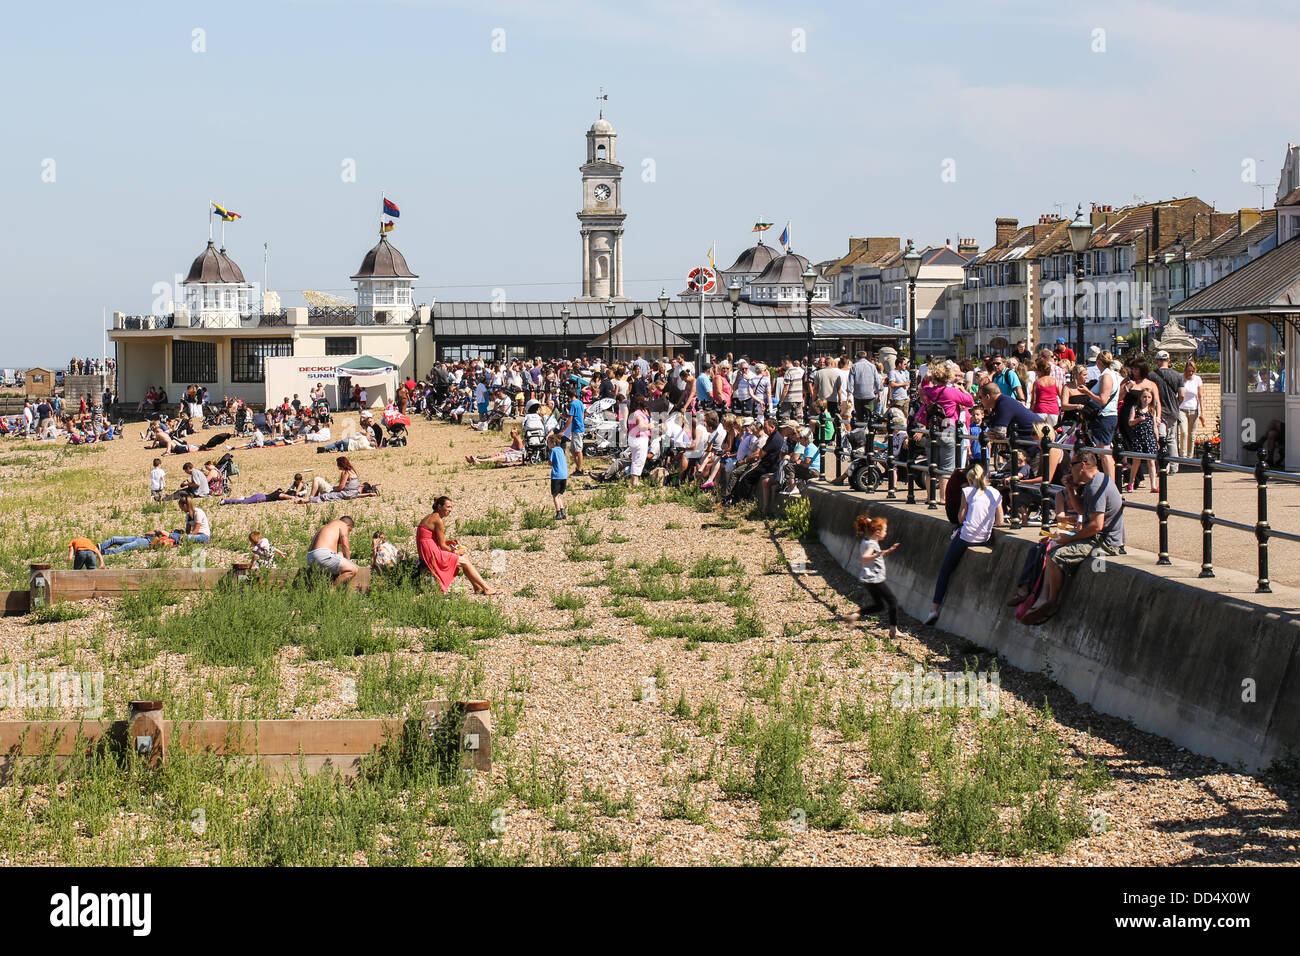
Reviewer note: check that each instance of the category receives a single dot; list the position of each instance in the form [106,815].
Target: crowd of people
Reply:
[91,366]
[54,419]
[748,430]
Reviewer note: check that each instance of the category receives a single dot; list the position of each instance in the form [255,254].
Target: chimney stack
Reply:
[1003,229]
[1247,219]
[968,247]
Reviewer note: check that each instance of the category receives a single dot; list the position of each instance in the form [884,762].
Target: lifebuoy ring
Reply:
[701,279]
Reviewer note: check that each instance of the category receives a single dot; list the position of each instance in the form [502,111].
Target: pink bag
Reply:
[1023,608]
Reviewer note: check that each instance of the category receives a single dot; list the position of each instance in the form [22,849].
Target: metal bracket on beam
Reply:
[1278,324]
[1292,319]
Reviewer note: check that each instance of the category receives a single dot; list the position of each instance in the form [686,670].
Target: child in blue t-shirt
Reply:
[576,427]
[559,473]
[975,446]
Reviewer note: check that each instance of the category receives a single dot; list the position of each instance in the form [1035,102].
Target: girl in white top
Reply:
[871,557]
[980,511]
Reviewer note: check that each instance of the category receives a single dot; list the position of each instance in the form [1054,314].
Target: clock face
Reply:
[602,192]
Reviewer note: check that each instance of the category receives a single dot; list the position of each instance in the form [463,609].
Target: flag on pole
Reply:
[225,214]
[386,227]
[713,248]
[761,226]
[390,208]
[785,236]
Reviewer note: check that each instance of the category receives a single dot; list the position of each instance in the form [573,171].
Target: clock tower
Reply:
[601,219]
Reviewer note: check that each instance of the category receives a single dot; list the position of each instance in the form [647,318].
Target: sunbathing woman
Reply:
[294,492]
[440,555]
[349,486]
[514,455]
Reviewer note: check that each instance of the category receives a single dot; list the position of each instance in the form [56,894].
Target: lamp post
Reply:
[809,278]
[414,322]
[609,332]
[564,325]
[1080,231]
[663,320]
[733,293]
[912,265]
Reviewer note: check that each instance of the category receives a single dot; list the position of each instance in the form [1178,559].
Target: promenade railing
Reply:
[922,470]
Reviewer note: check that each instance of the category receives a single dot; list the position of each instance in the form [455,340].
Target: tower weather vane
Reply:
[602,98]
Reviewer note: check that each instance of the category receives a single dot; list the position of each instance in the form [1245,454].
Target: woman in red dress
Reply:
[439,554]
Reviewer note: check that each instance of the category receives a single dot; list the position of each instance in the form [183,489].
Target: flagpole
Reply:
[209,220]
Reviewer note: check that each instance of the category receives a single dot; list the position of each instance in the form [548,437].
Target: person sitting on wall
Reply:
[1095,496]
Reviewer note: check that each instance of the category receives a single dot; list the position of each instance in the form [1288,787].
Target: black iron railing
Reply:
[922,466]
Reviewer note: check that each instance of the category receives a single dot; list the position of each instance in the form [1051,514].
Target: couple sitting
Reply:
[1098,533]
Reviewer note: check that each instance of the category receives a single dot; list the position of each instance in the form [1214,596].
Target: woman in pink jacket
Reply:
[938,392]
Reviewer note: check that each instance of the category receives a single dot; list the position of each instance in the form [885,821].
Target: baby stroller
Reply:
[601,436]
[320,409]
[534,431]
[226,465]
[397,424]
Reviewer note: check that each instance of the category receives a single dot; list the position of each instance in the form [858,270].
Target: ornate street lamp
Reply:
[414,323]
[912,265]
[809,289]
[733,293]
[664,301]
[1080,231]
[564,325]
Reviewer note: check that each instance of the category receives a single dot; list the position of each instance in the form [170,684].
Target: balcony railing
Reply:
[146,323]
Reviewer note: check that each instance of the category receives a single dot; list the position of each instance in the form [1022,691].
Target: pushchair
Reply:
[534,445]
[601,437]
[226,465]
[534,430]
[396,436]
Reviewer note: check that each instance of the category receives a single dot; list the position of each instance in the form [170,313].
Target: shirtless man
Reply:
[331,551]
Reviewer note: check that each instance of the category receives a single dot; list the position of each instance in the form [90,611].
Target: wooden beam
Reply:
[115,582]
[347,737]
[16,602]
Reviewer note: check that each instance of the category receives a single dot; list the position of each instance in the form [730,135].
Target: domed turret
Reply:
[216,293]
[384,286]
[213,265]
[384,261]
[781,283]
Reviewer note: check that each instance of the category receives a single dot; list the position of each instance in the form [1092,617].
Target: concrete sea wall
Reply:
[1215,674]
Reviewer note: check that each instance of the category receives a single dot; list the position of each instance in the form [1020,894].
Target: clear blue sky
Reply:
[481,149]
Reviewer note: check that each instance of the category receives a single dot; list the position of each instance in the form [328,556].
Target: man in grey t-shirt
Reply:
[1094,495]
[827,382]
